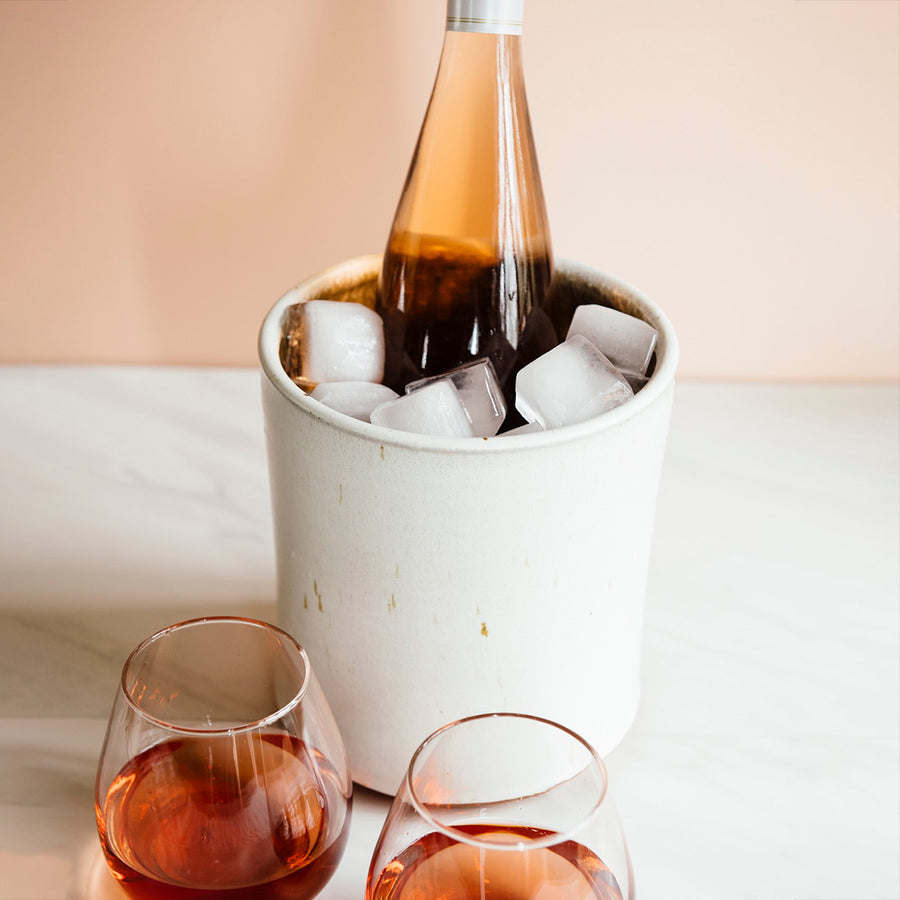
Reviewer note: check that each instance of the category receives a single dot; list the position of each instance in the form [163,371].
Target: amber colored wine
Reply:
[437,866]
[215,818]
[468,266]
[441,308]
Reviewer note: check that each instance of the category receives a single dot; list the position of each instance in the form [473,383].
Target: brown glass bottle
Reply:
[468,266]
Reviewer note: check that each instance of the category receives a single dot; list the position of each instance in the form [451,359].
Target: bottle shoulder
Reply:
[474,171]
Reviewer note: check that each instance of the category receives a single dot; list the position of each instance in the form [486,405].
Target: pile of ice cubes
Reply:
[600,364]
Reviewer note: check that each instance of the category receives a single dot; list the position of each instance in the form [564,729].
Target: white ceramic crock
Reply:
[434,578]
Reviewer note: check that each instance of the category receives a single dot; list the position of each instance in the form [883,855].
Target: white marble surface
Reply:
[764,759]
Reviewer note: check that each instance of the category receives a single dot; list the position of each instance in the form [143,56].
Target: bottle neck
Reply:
[485,16]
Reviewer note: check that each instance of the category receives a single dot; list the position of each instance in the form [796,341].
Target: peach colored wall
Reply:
[168,168]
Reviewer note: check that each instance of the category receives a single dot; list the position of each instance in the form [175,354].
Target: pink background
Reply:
[169,168]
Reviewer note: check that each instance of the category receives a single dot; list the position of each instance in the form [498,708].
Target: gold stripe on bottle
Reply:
[485,16]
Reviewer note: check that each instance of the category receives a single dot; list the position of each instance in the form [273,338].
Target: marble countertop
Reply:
[764,759]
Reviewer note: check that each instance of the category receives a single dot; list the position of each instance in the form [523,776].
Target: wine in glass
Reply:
[502,807]
[223,774]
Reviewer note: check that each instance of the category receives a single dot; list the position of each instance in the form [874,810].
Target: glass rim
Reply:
[549,840]
[288,640]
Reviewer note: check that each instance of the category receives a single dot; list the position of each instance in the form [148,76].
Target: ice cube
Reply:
[479,392]
[340,341]
[433,409]
[353,398]
[571,383]
[626,341]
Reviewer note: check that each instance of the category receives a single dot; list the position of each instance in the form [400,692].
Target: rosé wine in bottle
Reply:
[468,266]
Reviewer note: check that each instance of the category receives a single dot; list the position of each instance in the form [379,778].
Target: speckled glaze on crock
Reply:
[434,578]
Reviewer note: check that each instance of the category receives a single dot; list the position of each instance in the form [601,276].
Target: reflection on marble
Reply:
[764,759]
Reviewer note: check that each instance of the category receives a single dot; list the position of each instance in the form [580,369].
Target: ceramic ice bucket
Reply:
[434,578]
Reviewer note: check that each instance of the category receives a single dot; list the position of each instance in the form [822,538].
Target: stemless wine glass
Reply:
[502,807]
[223,774]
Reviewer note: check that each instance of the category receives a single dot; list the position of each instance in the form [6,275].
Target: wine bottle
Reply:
[468,267]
